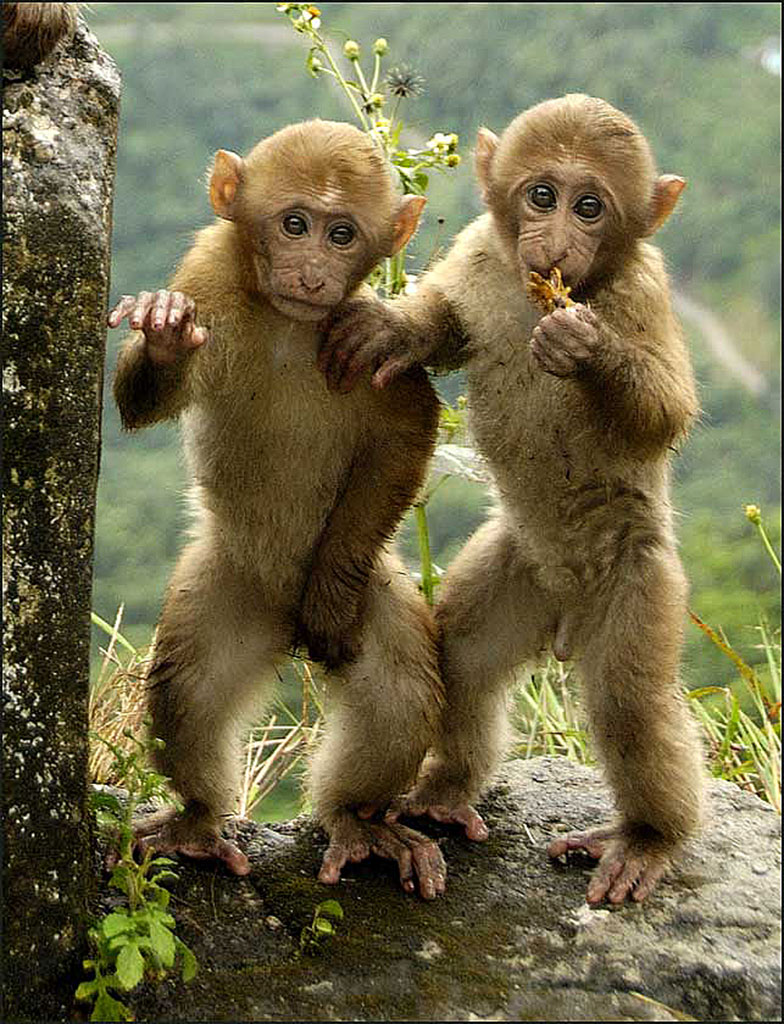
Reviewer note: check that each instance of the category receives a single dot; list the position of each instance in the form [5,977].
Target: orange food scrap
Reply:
[548,294]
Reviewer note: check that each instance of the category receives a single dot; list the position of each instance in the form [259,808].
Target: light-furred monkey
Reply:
[577,412]
[297,493]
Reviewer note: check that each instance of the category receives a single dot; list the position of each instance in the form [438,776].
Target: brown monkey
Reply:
[296,494]
[31,31]
[576,412]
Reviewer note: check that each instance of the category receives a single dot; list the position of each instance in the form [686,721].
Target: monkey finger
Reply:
[649,879]
[333,861]
[181,307]
[159,309]
[388,370]
[137,317]
[603,880]
[594,842]
[193,336]
[121,310]
[430,868]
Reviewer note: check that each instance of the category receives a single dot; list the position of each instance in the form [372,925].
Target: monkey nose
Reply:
[311,282]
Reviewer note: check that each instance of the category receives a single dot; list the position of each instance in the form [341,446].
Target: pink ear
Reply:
[486,146]
[666,191]
[224,182]
[407,220]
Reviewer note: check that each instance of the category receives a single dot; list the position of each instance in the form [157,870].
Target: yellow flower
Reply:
[753,514]
[380,47]
[351,50]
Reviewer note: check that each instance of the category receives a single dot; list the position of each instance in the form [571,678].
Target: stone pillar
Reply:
[59,143]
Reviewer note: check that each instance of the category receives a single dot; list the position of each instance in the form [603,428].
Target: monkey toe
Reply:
[419,860]
[593,843]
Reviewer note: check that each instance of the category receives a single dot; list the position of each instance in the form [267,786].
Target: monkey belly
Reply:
[269,507]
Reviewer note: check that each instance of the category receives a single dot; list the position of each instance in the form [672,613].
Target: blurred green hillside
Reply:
[700,81]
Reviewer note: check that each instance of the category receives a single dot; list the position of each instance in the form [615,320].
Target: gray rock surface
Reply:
[511,940]
[59,138]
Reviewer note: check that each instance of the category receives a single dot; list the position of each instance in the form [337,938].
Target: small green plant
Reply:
[314,935]
[136,940]
[745,747]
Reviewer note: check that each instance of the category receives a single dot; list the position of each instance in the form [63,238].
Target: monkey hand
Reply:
[366,334]
[630,862]
[329,625]
[564,341]
[190,834]
[419,859]
[167,320]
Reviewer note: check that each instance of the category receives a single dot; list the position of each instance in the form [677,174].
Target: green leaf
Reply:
[162,943]
[87,989]
[330,908]
[109,1009]
[130,966]
[189,965]
[105,802]
[323,926]
[116,924]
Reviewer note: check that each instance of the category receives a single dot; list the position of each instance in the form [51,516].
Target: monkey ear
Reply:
[666,191]
[407,220]
[486,145]
[224,182]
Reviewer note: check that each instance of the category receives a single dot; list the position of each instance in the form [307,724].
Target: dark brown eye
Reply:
[294,225]
[342,235]
[542,197]
[588,207]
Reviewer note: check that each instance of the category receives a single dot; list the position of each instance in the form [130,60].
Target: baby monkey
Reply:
[577,412]
[296,493]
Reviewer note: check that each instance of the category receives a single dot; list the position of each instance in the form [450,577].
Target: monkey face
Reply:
[308,258]
[564,214]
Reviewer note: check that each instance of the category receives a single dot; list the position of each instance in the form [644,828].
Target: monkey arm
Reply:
[641,376]
[385,476]
[146,393]
[388,338]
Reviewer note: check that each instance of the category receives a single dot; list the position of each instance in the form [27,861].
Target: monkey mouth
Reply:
[301,309]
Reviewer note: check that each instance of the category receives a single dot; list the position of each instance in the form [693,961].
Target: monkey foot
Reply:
[169,832]
[628,865]
[418,858]
[417,805]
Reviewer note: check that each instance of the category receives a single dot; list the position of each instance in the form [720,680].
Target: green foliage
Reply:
[314,935]
[137,940]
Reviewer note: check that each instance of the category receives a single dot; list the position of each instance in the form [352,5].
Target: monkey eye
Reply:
[588,207]
[543,197]
[342,235]
[295,225]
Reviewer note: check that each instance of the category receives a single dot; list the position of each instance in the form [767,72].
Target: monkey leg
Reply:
[642,729]
[492,616]
[214,641]
[381,717]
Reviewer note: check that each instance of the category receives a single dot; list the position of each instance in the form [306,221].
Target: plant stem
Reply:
[343,83]
[425,559]
[768,546]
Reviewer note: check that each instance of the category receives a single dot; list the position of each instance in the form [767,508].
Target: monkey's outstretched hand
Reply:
[629,865]
[168,831]
[564,341]
[419,859]
[167,320]
[367,334]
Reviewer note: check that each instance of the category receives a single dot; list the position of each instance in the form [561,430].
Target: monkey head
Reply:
[572,183]
[316,209]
